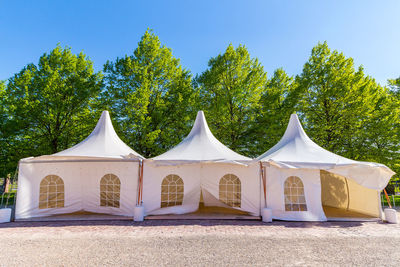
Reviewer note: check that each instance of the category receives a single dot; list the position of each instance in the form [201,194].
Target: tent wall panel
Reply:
[342,193]
[334,190]
[276,178]
[29,177]
[81,185]
[93,172]
[197,177]
[153,176]
[250,184]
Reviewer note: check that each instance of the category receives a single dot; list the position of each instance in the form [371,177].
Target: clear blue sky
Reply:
[279,33]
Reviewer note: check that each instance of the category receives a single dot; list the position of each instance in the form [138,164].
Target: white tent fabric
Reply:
[81,168]
[200,145]
[197,178]
[102,142]
[81,187]
[312,191]
[200,160]
[297,155]
[297,150]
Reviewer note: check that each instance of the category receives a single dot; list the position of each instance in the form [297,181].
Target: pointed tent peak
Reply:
[102,142]
[104,126]
[201,145]
[201,118]
[294,129]
[296,146]
[200,125]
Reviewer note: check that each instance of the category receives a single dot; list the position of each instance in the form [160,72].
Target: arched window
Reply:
[51,193]
[110,188]
[230,190]
[171,191]
[294,194]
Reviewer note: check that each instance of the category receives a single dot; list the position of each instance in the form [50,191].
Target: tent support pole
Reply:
[140,183]
[387,198]
[348,194]
[263,178]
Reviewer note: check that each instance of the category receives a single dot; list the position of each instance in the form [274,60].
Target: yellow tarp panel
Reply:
[342,213]
[342,193]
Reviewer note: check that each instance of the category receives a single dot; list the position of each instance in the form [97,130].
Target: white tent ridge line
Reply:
[200,146]
[103,144]
[297,150]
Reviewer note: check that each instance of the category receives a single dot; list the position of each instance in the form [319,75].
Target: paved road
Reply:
[199,243]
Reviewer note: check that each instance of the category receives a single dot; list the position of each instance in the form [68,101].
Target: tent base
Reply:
[77,216]
[337,219]
[207,213]
[202,217]
[340,215]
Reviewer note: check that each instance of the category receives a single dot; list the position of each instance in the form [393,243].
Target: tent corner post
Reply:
[263,178]
[387,198]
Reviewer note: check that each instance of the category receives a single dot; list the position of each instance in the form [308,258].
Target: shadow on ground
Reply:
[155,223]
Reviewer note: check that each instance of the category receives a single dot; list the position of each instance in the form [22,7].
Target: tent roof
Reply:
[201,145]
[296,147]
[297,150]
[103,142]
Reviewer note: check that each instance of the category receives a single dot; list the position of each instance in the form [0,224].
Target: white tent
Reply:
[305,181]
[98,175]
[200,165]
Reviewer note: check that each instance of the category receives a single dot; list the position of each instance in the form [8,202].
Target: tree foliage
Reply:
[346,111]
[151,97]
[230,91]
[5,166]
[49,104]
[394,85]
[277,102]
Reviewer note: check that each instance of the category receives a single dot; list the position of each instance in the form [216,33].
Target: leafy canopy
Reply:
[49,105]
[151,97]
[346,111]
[229,93]
[276,104]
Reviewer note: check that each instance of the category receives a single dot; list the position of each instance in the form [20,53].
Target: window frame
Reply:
[233,197]
[110,191]
[172,191]
[294,202]
[53,196]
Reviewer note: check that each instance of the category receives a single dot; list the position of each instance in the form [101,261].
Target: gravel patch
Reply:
[199,243]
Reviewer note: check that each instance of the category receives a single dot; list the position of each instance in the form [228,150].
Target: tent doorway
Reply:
[210,208]
[210,205]
[342,198]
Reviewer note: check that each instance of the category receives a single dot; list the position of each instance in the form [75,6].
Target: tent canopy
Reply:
[201,145]
[102,143]
[297,150]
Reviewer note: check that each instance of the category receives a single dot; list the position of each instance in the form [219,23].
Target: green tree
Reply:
[346,111]
[151,97]
[382,131]
[230,91]
[5,167]
[276,104]
[50,104]
[394,85]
